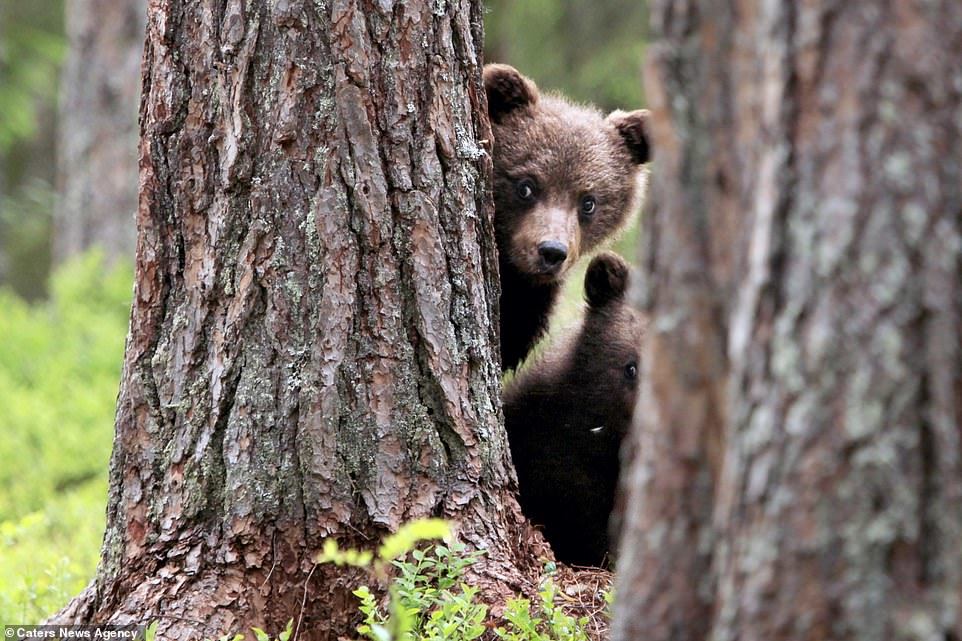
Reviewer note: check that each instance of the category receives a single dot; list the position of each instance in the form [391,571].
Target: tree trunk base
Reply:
[194,598]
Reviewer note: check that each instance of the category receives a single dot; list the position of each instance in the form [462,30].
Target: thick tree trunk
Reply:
[97,130]
[800,422]
[312,343]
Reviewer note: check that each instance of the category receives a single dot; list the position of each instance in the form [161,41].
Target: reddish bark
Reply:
[311,349]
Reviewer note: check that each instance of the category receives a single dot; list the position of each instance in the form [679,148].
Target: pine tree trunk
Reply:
[97,130]
[312,343]
[800,421]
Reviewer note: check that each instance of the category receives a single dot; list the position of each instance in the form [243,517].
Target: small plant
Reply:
[260,635]
[429,601]
[549,623]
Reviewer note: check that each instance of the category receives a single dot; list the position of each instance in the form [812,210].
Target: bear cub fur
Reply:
[567,413]
[566,177]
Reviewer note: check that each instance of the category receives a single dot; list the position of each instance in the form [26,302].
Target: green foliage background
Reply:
[591,50]
[32,48]
[59,372]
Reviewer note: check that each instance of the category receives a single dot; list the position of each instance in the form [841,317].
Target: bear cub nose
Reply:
[552,254]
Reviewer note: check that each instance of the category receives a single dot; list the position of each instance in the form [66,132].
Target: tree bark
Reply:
[97,130]
[312,341]
[800,419]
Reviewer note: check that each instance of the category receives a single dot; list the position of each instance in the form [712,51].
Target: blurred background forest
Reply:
[69,76]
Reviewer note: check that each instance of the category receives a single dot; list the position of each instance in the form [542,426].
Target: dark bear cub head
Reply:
[565,176]
[567,414]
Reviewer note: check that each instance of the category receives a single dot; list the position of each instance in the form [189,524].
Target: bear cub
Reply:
[567,413]
[566,177]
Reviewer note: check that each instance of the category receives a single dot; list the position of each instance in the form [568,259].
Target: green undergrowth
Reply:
[48,556]
[422,594]
[60,362]
[418,591]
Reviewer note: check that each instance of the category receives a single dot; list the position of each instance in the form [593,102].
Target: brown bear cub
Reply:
[565,178]
[567,413]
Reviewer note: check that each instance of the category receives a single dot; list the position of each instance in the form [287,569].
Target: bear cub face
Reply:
[565,176]
[567,413]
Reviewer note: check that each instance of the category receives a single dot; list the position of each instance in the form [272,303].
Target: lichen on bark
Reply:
[799,469]
[311,342]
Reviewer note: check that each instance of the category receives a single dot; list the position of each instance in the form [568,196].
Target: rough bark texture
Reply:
[97,130]
[311,350]
[800,421]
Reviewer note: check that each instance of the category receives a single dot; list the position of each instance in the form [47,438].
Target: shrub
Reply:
[60,363]
[428,599]
[48,556]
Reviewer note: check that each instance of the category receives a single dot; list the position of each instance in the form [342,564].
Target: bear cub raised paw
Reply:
[567,413]
[566,177]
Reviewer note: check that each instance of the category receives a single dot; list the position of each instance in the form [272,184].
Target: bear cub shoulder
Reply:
[566,178]
[567,413]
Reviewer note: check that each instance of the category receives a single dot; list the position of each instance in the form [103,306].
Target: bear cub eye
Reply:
[525,189]
[588,205]
[631,371]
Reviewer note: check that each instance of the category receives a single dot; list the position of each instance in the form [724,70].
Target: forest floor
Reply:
[60,362]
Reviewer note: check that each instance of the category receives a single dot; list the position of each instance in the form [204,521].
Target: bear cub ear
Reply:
[633,128]
[507,90]
[606,279]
